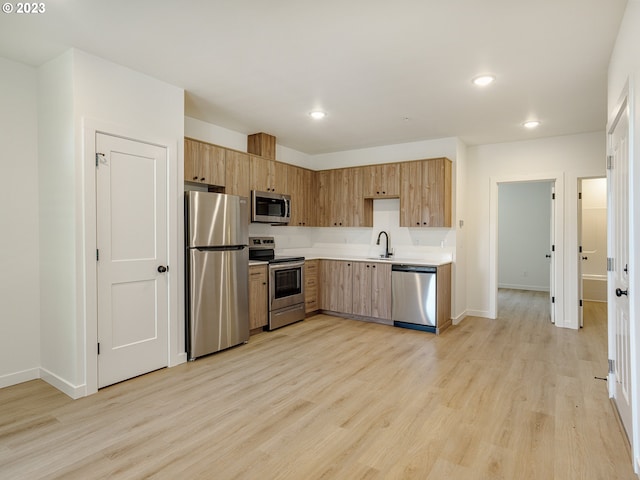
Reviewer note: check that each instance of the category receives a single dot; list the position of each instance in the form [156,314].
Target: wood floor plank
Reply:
[330,398]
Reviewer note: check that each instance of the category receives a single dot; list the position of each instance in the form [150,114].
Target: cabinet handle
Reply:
[367,266]
[202,179]
[264,283]
[374,266]
[417,223]
[195,178]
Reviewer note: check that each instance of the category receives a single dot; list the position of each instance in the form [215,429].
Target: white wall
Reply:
[624,69]
[208,132]
[57,217]
[524,232]
[19,255]
[80,94]
[570,157]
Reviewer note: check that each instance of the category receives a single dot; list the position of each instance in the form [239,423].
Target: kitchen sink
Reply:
[382,259]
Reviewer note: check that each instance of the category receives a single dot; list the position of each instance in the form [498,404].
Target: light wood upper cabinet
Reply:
[258,296]
[425,197]
[381,181]
[303,197]
[342,203]
[268,175]
[204,163]
[237,174]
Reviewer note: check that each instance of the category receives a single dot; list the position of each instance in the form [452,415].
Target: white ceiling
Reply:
[385,71]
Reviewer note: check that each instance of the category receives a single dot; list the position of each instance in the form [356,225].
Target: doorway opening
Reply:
[592,243]
[525,239]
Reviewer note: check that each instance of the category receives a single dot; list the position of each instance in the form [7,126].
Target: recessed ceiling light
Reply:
[531,124]
[318,114]
[483,80]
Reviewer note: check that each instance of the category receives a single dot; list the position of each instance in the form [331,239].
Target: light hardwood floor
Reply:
[512,398]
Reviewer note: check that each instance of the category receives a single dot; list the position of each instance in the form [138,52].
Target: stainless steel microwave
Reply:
[270,207]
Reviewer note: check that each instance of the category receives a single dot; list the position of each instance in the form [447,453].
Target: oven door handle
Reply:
[285,266]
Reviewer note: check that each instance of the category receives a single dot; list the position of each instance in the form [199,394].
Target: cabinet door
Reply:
[262,173]
[311,196]
[360,213]
[436,193]
[295,177]
[258,296]
[381,181]
[324,199]
[191,160]
[212,164]
[362,276]
[237,174]
[381,290]
[336,286]
[204,163]
[280,177]
[410,194]
[311,286]
[388,180]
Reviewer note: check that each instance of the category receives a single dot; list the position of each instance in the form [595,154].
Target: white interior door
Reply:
[131,212]
[580,256]
[618,276]
[552,256]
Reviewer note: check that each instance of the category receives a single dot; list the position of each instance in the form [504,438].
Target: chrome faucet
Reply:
[386,250]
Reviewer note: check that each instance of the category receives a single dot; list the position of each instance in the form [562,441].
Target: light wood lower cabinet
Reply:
[443,298]
[258,294]
[336,286]
[311,303]
[356,288]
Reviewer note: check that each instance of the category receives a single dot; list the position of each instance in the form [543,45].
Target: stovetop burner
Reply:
[263,248]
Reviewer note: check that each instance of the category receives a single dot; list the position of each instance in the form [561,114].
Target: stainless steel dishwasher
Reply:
[413,299]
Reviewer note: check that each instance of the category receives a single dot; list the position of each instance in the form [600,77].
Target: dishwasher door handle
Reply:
[413,268]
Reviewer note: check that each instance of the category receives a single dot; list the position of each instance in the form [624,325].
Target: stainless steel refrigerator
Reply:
[217,272]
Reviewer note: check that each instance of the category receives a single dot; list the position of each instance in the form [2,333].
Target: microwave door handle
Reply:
[287,204]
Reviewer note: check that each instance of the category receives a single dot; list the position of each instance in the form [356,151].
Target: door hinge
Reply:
[553,196]
[580,302]
[97,255]
[553,299]
[580,249]
[609,162]
[98,157]
[612,365]
[579,195]
[98,348]
[553,248]
[609,264]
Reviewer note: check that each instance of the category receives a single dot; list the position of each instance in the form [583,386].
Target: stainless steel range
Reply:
[286,282]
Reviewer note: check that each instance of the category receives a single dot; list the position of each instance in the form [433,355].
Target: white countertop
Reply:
[432,261]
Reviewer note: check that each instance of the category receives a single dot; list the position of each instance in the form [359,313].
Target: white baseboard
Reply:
[19,377]
[514,286]
[73,391]
[478,313]
[178,359]
[456,320]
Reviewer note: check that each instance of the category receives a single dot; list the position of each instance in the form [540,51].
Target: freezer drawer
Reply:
[218,300]
[413,297]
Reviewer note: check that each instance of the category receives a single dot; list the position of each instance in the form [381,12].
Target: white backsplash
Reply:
[361,242]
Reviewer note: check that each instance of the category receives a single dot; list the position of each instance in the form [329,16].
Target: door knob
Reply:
[548,255]
[163,269]
[585,258]
[620,292]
